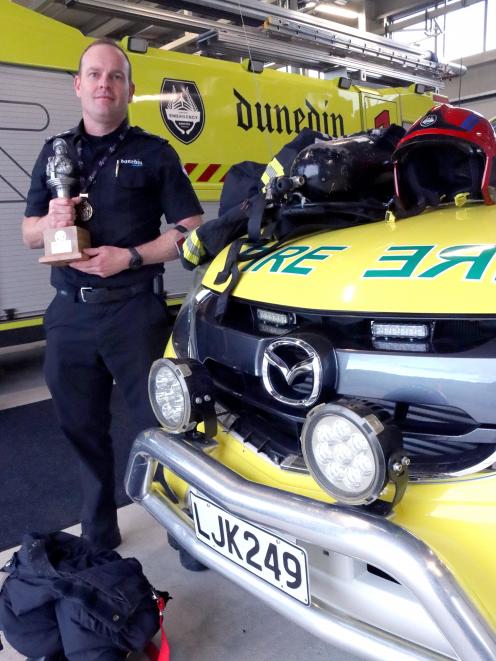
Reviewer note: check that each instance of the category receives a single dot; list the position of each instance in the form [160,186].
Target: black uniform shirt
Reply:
[138,183]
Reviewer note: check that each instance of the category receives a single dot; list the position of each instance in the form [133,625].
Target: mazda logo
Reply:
[292,371]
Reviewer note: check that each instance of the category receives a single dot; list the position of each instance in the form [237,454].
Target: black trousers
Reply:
[88,347]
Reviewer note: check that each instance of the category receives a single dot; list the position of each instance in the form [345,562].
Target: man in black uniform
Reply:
[105,322]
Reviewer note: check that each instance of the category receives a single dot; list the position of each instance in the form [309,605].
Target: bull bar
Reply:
[348,531]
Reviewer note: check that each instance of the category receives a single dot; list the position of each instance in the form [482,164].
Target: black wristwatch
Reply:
[136,260]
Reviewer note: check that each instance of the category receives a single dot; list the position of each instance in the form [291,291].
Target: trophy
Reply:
[65,244]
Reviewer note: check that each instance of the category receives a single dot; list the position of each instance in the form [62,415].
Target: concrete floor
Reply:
[209,619]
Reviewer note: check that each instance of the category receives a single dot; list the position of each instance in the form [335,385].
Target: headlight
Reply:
[183,336]
[348,450]
[182,395]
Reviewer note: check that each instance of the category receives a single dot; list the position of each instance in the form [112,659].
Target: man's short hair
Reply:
[106,41]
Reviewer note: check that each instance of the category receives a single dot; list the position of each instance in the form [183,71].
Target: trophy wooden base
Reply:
[64,245]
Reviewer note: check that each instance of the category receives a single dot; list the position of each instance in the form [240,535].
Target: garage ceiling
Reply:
[297,34]
[102,19]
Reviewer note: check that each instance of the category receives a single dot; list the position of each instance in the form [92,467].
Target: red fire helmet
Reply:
[448,151]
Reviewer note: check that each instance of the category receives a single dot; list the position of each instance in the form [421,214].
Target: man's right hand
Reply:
[61,212]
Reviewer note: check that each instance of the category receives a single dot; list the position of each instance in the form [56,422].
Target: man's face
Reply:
[103,86]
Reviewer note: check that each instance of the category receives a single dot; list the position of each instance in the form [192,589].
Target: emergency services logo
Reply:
[429,120]
[181,107]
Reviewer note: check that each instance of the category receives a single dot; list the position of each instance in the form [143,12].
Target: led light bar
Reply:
[275,318]
[408,331]
[270,329]
[394,345]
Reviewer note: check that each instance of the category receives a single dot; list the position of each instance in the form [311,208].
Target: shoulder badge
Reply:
[137,130]
[61,135]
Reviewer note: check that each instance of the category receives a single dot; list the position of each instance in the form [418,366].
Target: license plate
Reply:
[262,553]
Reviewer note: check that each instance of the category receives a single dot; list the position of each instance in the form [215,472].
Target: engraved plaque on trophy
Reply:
[65,244]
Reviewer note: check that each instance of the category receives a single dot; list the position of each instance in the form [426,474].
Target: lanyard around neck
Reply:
[87,182]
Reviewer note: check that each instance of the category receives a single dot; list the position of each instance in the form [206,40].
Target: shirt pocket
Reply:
[132,206]
[133,194]
[133,177]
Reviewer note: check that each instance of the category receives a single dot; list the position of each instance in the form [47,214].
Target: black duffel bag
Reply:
[65,596]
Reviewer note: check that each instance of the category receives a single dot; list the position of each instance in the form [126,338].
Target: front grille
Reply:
[436,437]
[354,331]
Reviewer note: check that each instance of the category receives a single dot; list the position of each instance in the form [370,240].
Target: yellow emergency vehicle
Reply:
[215,113]
[330,434]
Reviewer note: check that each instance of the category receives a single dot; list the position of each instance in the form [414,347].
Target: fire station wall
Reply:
[477,88]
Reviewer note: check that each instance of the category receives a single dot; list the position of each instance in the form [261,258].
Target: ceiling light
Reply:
[334,10]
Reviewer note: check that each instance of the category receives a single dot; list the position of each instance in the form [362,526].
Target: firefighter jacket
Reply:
[65,596]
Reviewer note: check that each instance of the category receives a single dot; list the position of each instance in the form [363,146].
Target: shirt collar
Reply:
[81,132]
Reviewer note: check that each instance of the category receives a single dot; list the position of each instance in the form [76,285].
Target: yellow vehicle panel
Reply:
[31,39]
[249,116]
[379,112]
[413,266]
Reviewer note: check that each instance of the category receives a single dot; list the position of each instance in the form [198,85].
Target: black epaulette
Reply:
[139,131]
[61,135]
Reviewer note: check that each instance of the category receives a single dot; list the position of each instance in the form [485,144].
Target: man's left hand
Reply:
[104,261]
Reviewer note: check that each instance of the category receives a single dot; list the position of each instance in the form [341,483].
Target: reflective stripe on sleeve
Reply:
[273,169]
[193,249]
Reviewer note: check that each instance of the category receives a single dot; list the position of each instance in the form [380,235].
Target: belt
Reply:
[106,294]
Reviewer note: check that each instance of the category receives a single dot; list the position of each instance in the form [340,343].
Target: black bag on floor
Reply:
[65,596]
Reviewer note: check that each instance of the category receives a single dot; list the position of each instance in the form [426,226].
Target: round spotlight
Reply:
[347,448]
[181,395]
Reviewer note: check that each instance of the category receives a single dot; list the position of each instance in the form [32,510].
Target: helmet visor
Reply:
[430,172]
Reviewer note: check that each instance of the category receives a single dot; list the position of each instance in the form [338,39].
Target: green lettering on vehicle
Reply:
[287,260]
[411,261]
[278,257]
[316,253]
[451,256]
[246,252]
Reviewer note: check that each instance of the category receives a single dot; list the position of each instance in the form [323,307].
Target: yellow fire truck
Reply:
[215,113]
